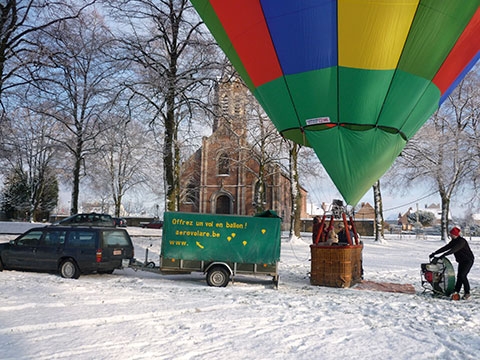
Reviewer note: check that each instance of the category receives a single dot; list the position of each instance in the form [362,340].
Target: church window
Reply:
[223,164]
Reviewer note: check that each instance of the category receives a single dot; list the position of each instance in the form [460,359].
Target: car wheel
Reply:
[1,265]
[218,276]
[69,269]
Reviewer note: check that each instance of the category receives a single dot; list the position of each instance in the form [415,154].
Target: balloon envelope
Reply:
[353,79]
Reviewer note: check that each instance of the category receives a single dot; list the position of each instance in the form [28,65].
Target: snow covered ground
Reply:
[143,315]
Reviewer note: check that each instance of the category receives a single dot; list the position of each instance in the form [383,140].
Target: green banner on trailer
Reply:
[214,237]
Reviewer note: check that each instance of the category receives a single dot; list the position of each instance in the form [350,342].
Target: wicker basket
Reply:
[336,266]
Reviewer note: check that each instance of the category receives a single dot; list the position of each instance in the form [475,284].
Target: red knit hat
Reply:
[455,231]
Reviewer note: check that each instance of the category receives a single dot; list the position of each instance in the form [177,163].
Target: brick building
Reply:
[222,177]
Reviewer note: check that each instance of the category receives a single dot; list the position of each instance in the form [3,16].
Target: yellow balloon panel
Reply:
[371,35]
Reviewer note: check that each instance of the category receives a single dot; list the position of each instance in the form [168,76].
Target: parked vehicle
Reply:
[155,224]
[120,222]
[88,219]
[221,246]
[68,250]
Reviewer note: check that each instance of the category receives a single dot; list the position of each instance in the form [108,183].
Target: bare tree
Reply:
[445,151]
[274,155]
[262,137]
[175,59]
[123,160]
[20,20]
[31,156]
[266,149]
[78,78]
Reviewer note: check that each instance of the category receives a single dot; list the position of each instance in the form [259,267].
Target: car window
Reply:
[30,239]
[115,238]
[53,238]
[82,239]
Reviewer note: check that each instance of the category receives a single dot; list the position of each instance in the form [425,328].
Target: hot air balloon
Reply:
[353,79]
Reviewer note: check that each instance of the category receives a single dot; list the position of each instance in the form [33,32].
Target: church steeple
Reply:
[231,102]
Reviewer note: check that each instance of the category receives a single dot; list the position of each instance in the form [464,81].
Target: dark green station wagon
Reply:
[68,250]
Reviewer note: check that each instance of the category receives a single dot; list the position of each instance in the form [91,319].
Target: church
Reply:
[221,177]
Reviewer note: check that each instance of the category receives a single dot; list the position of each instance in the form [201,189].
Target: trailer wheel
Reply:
[218,276]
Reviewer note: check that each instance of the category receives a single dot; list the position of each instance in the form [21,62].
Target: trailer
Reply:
[221,246]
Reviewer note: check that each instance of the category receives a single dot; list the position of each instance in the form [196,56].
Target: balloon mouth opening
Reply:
[298,134]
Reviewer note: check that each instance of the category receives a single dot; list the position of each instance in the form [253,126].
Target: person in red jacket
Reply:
[459,247]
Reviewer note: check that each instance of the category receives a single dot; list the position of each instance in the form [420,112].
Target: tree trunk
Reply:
[444,216]
[377,196]
[176,170]
[76,186]
[169,154]
[118,204]
[295,224]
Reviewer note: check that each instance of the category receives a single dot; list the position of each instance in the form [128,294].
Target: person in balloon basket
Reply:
[332,237]
[342,234]
[459,247]
[315,228]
